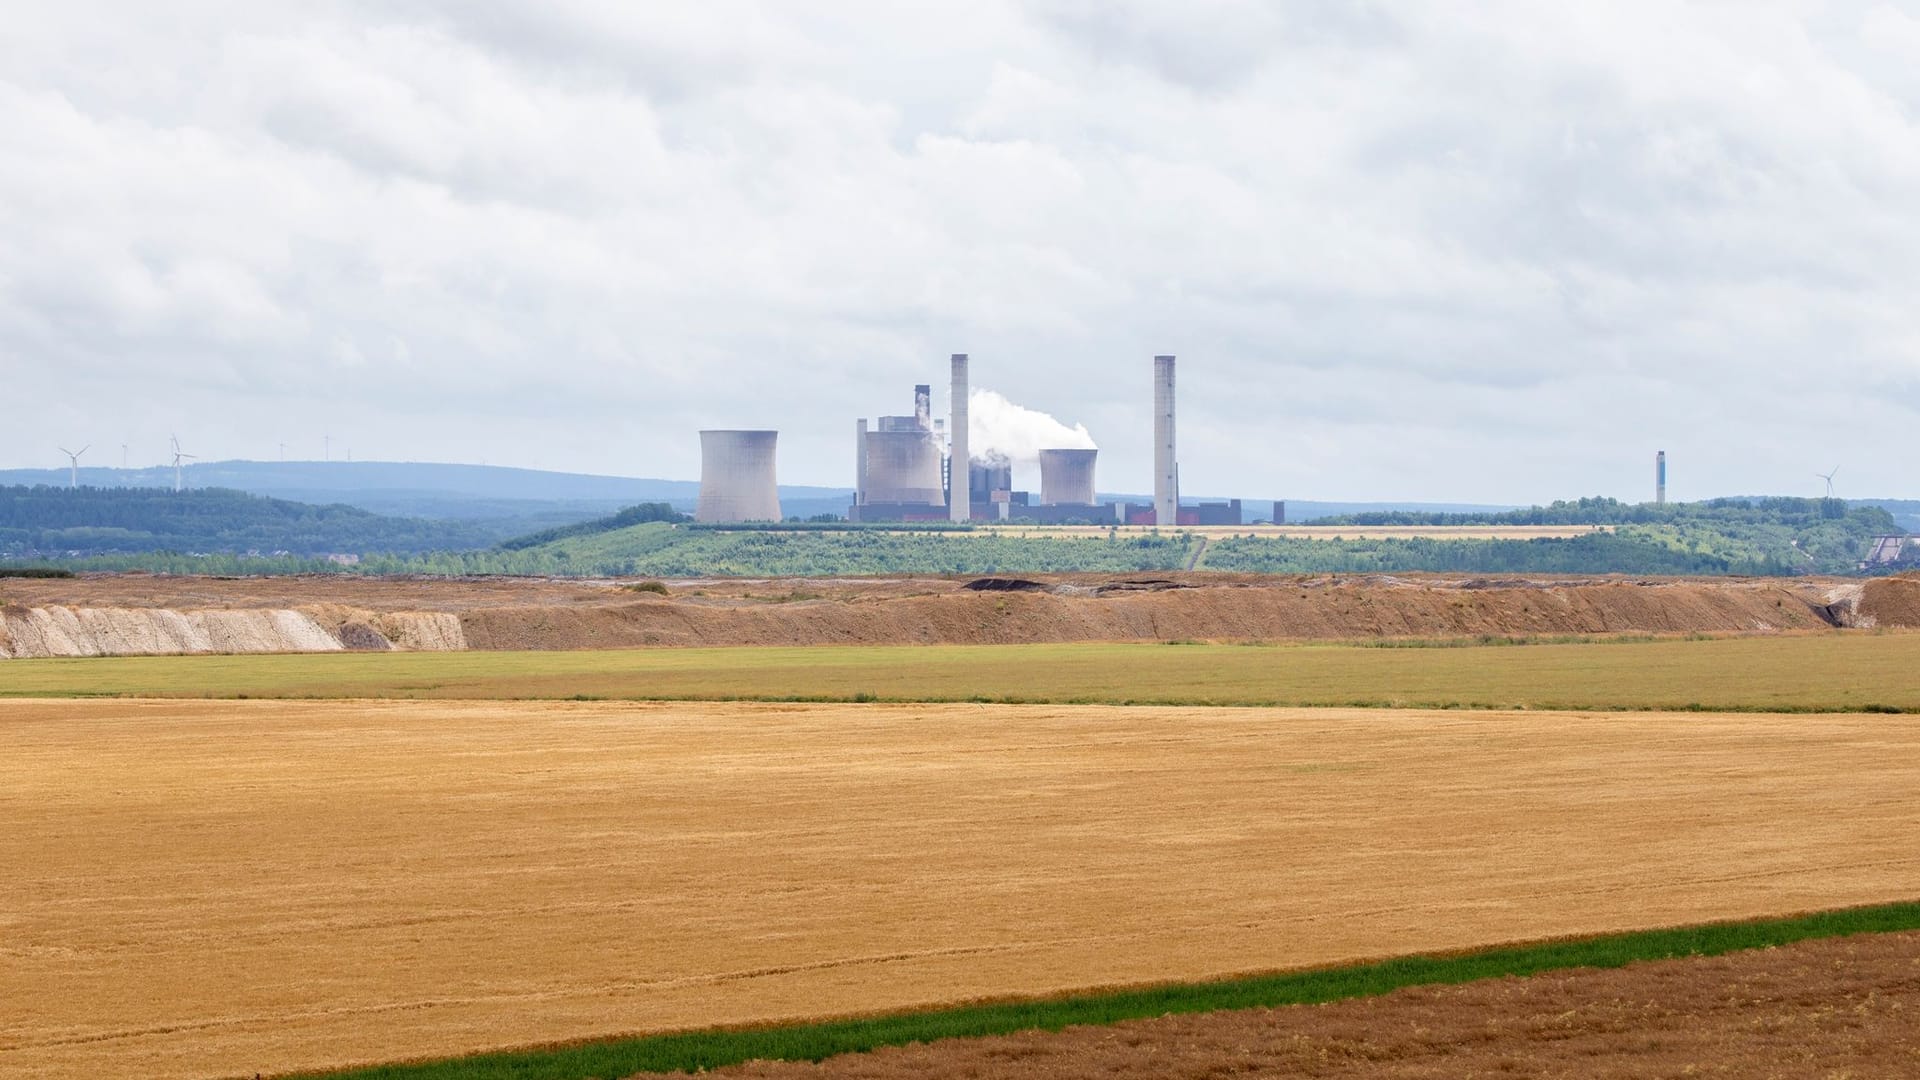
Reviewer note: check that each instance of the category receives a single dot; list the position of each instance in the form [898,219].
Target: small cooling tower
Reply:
[737,477]
[1066,477]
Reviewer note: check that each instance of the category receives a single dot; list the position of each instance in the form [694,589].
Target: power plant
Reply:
[900,473]
[916,468]
[737,481]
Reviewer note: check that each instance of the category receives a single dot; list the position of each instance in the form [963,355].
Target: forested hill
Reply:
[1759,510]
[1753,535]
[64,522]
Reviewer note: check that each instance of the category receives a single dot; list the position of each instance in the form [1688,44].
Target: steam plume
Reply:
[997,428]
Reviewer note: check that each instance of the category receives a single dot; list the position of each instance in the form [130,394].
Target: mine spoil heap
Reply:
[108,615]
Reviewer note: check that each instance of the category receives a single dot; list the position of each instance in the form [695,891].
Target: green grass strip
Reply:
[693,1051]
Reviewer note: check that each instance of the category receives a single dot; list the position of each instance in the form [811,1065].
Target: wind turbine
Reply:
[73,463]
[177,456]
[1828,477]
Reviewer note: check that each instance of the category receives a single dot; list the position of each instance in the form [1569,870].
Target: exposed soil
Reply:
[215,888]
[1844,1007]
[133,613]
[1893,601]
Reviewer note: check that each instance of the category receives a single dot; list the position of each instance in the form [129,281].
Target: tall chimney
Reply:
[860,463]
[1166,475]
[959,494]
[1660,478]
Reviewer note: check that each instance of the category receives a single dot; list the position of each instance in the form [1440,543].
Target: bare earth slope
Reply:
[1843,1007]
[109,615]
[215,888]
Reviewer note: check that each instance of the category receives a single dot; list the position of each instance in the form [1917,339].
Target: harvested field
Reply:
[1834,1008]
[1804,672]
[134,614]
[215,888]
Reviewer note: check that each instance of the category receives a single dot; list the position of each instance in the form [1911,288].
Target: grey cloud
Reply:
[1391,244]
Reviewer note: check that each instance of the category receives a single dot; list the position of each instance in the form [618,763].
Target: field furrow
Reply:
[218,888]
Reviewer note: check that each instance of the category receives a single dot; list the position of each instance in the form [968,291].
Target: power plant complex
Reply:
[918,468]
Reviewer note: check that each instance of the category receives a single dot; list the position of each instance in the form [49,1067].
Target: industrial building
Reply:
[901,467]
[915,468]
[737,481]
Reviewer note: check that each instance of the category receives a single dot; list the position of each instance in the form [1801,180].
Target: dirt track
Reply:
[1835,1008]
[119,615]
[215,888]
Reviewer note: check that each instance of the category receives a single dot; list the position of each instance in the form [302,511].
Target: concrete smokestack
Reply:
[959,498]
[1066,477]
[1660,478]
[737,478]
[860,463]
[1166,468]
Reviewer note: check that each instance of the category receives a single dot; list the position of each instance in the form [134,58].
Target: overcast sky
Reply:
[1489,252]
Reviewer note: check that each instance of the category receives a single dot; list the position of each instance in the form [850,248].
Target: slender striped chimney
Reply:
[959,494]
[1166,468]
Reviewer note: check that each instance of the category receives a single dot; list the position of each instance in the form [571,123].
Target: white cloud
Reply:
[1392,244]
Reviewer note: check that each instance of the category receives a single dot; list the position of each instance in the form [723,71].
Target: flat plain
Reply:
[214,888]
[1832,1008]
[1833,672]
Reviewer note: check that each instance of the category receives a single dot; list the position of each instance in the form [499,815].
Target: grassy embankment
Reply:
[694,1051]
[1824,673]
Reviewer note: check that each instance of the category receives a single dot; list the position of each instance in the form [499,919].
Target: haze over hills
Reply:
[536,499]
[512,498]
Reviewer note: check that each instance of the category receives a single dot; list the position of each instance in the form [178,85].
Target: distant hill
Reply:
[58,522]
[1905,512]
[511,501]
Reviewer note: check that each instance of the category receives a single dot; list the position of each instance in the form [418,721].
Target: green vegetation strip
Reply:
[812,1042]
[1800,674]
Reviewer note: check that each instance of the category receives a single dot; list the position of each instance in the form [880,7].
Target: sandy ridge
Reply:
[159,616]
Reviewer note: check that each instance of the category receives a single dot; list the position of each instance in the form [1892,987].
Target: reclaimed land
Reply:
[1834,672]
[215,888]
[1828,1008]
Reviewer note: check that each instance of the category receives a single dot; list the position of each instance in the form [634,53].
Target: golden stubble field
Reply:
[215,888]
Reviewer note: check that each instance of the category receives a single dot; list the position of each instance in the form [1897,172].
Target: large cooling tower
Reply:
[1066,477]
[736,477]
[904,467]
[1166,467]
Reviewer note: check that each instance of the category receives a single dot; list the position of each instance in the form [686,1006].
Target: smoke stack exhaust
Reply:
[959,497]
[1166,469]
[923,406]
[1660,478]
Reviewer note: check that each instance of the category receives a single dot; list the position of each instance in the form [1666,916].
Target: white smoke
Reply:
[998,428]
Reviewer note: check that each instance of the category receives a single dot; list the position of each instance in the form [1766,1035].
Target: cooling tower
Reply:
[904,467]
[959,506]
[1166,467]
[1066,477]
[736,477]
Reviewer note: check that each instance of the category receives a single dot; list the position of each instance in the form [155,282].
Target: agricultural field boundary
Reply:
[694,1051]
[1815,673]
